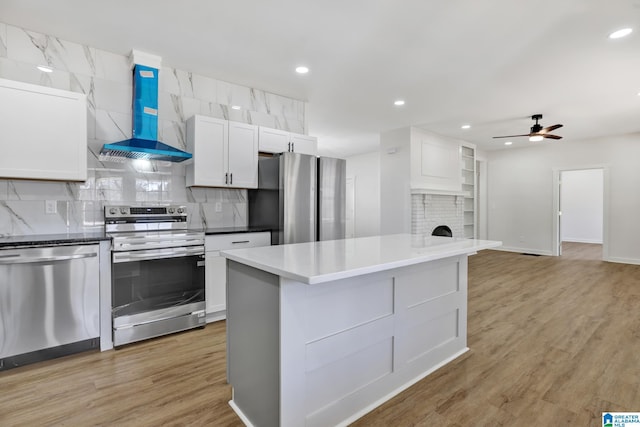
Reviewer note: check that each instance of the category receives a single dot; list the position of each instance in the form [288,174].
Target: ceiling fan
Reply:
[538,133]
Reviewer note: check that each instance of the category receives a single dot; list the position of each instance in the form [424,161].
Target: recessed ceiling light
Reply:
[45,69]
[508,143]
[236,107]
[465,127]
[399,102]
[620,33]
[302,69]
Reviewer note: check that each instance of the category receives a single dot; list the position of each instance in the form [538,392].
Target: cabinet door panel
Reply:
[304,144]
[207,140]
[216,266]
[44,131]
[243,155]
[216,282]
[273,140]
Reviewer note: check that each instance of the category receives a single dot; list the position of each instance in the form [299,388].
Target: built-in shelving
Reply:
[468,171]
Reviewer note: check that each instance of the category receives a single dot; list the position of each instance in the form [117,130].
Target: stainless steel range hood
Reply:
[144,144]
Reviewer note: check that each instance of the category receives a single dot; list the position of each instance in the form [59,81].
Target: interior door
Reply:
[559,237]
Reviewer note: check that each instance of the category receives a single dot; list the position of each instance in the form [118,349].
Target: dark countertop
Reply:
[53,239]
[231,230]
[93,237]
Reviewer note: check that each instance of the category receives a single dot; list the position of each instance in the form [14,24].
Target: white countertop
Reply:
[318,262]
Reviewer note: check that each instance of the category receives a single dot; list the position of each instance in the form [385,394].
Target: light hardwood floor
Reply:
[554,341]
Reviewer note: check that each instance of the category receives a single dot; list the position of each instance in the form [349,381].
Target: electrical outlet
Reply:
[50,207]
[218,207]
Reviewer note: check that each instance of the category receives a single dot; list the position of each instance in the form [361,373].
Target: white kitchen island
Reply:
[318,334]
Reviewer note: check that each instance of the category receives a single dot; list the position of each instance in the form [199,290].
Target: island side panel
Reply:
[431,313]
[349,345]
[253,340]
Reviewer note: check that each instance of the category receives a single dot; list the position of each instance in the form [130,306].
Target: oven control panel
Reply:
[137,218]
[144,212]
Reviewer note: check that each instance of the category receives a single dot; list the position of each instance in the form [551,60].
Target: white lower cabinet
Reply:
[216,267]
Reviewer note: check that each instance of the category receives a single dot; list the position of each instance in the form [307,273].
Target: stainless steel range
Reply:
[157,272]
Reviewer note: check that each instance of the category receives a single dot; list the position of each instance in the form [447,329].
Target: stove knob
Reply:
[180,210]
[123,211]
[171,210]
[113,211]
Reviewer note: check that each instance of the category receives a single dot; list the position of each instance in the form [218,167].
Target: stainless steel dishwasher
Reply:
[49,302]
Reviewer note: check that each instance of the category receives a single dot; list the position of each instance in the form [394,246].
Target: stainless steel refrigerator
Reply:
[300,198]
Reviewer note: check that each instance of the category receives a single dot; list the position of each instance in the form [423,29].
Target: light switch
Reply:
[218,207]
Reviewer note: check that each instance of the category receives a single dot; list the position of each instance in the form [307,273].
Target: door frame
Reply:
[555,237]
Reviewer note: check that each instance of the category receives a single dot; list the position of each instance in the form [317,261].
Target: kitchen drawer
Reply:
[218,242]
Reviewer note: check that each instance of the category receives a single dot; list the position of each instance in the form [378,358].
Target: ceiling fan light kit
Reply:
[537,132]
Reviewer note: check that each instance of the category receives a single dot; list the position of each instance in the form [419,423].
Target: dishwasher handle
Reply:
[19,259]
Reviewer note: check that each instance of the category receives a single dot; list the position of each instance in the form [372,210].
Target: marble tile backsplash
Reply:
[106,79]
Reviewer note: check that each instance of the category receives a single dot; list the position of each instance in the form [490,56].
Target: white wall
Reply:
[364,171]
[582,206]
[520,193]
[395,176]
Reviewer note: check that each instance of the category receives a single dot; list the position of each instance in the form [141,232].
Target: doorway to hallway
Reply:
[580,211]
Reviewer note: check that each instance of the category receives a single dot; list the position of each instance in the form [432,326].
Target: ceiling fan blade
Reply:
[548,135]
[511,136]
[549,129]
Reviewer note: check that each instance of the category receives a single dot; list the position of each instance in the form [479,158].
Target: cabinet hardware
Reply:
[226,178]
[240,241]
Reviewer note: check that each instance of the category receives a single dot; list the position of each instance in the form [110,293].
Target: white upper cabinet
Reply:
[207,141]
[243,155]
[273,140]
[225,154]
[304,144]
[43,132]
[279,141]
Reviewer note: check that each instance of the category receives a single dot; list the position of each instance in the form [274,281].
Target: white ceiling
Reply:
[490,63]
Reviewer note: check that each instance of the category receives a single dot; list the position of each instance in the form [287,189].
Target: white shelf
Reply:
[468,170]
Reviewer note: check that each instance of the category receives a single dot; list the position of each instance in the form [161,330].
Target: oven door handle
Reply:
[132,256]
[151,242]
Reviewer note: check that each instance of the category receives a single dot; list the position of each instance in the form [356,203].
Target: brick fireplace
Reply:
[429,210]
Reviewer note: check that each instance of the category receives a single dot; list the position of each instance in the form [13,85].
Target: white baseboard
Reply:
[523,250]
[578,240]
[623,260]
[240,414]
